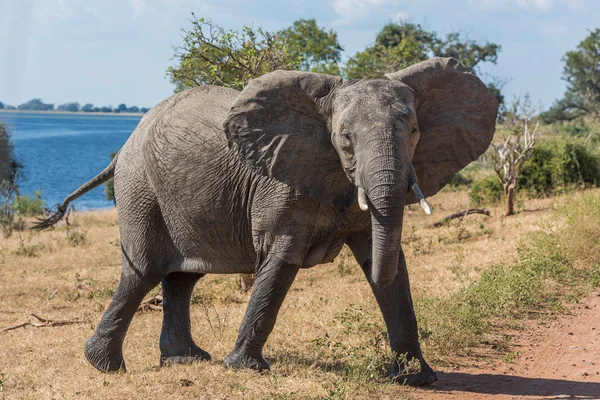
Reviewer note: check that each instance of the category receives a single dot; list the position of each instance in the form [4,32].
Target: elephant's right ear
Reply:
[280,130]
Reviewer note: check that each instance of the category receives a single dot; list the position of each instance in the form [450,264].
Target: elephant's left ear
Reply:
[280,129]
[456,114]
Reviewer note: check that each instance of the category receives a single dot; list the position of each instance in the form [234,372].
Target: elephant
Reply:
[276,178]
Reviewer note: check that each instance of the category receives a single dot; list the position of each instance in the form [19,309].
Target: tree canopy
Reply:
[211,55]
[317,49]
[582,73]
[215,56]
[72,107]
[36,105]
[398,46]
[9,168]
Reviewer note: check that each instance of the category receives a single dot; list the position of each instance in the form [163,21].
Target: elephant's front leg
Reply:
[396,305]
[272,282]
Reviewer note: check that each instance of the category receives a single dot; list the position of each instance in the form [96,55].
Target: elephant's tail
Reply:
[99,179]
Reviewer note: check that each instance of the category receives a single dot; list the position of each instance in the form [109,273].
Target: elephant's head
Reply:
[334,140]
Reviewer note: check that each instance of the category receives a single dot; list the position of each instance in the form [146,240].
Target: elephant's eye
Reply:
[414,131]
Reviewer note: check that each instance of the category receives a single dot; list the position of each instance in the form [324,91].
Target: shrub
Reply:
[76,238]
[556,164]
[26,206]
[109,186]
[486,191]
[459,180]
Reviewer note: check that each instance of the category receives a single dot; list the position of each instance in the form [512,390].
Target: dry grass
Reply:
[327,342]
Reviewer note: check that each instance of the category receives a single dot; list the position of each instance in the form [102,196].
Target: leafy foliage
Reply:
[26,206]
[459,180]
[486,191]
[36,105]
[109,186]
[210,55]
[317,49]
[557,164]
[398,46]
[582,73]
[10,170]
[71,107]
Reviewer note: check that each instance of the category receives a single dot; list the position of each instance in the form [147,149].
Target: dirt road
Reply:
[560,359]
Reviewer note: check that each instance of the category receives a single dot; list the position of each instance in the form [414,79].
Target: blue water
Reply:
[59,152]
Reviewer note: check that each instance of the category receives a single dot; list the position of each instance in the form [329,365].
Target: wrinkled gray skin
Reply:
[194,198]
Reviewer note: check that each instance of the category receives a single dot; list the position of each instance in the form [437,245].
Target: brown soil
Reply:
[560,359]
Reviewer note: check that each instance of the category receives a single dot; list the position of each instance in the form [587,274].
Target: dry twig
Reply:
[43,323]
[461,214]
[153,303]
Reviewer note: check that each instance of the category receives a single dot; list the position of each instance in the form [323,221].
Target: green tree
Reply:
[582,73]
[398,46]
[210,55]
[317,49]
[36,105]
[109,186]
[1,106]
[10,170]
[72,107]
[89,107]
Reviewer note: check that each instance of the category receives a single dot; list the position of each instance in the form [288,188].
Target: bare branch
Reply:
[461,214]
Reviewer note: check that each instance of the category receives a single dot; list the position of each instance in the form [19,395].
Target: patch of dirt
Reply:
[557,360]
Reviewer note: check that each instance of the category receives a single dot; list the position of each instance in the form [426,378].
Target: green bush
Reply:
[459,180]
[556,164]
[486,191]
[109,186]
[26,206]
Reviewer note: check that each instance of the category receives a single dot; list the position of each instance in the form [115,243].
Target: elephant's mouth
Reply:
[364,203]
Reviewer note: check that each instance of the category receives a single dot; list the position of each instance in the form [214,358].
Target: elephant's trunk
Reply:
[385,182]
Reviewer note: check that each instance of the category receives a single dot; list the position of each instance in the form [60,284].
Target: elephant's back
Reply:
[192,110]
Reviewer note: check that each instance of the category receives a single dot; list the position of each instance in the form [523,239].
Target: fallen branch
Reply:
[153,303]
[43,323]
[461,214]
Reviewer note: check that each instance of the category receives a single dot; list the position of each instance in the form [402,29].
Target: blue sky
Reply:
[112,51]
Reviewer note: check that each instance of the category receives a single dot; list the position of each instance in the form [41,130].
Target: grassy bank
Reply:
[472,280]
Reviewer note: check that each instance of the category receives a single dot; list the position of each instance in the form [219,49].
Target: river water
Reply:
[59,152]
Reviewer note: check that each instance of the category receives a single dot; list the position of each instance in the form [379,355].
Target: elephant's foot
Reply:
[104,355]
[405,376]
[240,360]
[183,355]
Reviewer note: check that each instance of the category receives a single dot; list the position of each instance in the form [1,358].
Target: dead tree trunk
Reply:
[510,156]
[509,194]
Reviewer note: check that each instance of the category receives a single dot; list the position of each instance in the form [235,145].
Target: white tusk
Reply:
[425,205]
[362,199]
[422,200]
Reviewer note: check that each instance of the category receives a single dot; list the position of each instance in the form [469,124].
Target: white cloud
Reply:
[400,17]
[574,4]
[541,5]
[351,10]
[138,7]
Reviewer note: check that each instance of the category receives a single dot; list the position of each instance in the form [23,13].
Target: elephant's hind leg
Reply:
[176,343]
[147,251]
[104,350]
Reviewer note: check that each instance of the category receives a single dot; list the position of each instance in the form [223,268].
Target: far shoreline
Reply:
[100,113]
